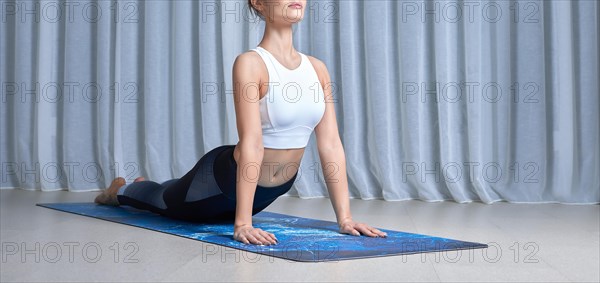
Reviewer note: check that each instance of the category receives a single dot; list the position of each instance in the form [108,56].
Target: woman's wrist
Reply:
[240,225]
[344,220]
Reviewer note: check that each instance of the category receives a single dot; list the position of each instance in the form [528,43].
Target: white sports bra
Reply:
[294,103]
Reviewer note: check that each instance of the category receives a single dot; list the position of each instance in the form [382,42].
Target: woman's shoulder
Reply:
[319,67]
[247,57]
[316,62]
[248,60]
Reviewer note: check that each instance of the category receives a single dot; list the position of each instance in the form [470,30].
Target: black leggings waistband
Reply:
[225,169]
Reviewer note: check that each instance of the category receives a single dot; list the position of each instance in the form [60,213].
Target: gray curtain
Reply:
[435,100]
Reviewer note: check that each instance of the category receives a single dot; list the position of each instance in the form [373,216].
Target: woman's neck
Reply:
[279,40]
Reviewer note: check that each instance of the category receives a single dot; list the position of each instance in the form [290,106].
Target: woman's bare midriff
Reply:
[278,165]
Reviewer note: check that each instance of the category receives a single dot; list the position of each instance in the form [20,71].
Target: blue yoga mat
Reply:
[300,239]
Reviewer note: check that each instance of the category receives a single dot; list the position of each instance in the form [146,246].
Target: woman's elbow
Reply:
[329,144]
[254,147]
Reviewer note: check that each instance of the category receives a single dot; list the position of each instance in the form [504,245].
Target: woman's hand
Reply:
[348,226]
[248,234]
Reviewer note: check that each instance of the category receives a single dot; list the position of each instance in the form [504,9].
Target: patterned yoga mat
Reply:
[300,239]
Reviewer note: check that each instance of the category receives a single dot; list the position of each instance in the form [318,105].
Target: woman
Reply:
[279,101]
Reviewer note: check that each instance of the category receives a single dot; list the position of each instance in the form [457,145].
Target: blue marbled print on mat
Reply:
[300,239]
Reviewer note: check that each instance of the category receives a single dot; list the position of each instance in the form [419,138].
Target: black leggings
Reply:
[207,193]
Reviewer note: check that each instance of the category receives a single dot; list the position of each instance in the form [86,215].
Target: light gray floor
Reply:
[541,242]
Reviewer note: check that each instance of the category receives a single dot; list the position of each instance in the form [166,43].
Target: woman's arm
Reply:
[246,82]
[333,164]
[333,161]
[331,151]
[246,95]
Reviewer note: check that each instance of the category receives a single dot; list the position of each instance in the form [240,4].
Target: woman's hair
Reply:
[254,11]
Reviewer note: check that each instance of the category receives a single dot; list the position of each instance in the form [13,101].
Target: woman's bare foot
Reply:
[109,196]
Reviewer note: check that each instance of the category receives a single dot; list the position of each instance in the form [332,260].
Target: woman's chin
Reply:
[293,17]
[295,20]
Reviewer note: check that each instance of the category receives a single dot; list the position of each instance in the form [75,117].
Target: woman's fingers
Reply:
[376,231]
[260,240]
[243,239]
[266,239]
[350,230]
[255,236]
[253,239]
[362,228]
[271,237]
[379,232]
[263,237]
